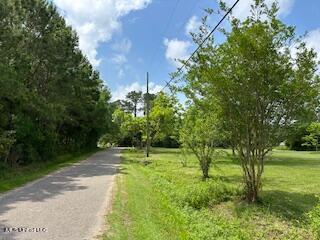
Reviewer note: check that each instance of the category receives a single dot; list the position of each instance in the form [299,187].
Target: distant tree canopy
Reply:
[313,137]
[131,103]
[51,99]
[165,121]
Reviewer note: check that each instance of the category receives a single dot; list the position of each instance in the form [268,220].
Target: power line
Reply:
[188,16]
[155,53]
[200,45]
[190,13]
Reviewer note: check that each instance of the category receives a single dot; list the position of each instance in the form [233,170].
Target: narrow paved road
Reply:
[67,205]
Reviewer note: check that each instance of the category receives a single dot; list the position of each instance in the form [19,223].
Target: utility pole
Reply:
[148,124]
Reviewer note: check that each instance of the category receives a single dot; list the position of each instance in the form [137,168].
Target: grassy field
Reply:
[164,200]
[11,178]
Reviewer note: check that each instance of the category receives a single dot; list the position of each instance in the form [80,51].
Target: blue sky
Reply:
[124,39]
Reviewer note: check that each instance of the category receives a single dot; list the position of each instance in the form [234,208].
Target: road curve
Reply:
[69,204]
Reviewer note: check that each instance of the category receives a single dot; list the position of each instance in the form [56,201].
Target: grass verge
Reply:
[11,178]
[163,200]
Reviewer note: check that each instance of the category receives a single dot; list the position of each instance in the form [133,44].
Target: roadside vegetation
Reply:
[11,178]
[166,200]
[52,101]
[251,94]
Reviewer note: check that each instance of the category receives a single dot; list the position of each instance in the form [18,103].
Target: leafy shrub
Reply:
[191,202]
[208,193]
[198,195]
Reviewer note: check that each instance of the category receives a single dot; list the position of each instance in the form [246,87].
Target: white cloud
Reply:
[121,91]
[192,25]
[176,50]
[119,59]
[242,10]
[96,21]
[123,46]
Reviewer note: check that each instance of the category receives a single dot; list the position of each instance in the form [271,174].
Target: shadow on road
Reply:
[65,180]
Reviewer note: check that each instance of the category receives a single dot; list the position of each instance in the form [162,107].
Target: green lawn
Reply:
[163,200]
[11,178]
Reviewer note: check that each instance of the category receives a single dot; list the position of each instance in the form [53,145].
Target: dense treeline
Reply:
[51,99]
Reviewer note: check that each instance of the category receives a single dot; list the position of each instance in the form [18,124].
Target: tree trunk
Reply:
[205,169]
[135,110]
[252,193]
[252,166]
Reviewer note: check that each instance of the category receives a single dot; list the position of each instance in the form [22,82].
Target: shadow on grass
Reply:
[123,168]
[276,161]
[292,161]
[166,150]
[291,206]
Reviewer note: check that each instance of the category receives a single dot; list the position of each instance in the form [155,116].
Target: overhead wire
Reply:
[201,43]
[156,51]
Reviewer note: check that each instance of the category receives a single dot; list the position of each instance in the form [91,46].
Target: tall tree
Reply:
[259,86]
[134,98]
[51,99]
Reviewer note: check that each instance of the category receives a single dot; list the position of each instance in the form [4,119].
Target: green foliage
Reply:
[198,194]
[207,194]
[134,97]
[11,178]
[295,133]
[107,140]
[204,225]
[165,118]
[200,133]
[165,121]
[130,129]
[7,139]
[150,200]
[256,83]
[148,205]
[314,135]
[50,95]
[131,102]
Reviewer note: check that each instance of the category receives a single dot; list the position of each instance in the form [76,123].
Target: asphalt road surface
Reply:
[69,204]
